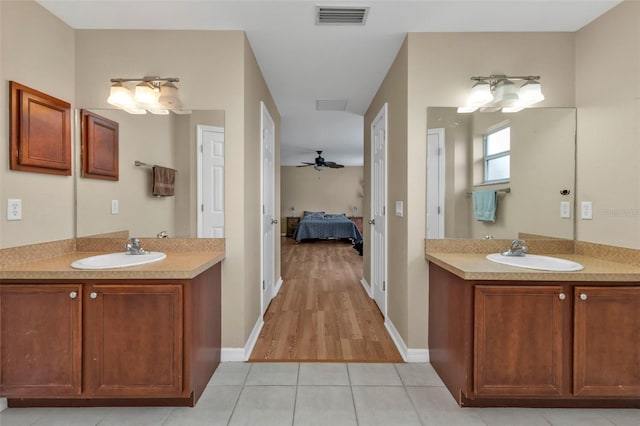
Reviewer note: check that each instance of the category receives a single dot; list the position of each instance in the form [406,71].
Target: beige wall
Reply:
[37,51]
[255,91]
[332,191]
[608,157]
[393,91]
[438,67]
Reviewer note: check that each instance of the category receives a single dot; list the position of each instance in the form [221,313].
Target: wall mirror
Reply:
[108,208]
[541,173]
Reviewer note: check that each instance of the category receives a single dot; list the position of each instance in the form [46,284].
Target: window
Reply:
[497,154]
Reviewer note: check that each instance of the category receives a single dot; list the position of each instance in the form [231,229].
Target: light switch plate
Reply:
[399,208]
[565,209]
[586,210]
[14,209]
[115,208]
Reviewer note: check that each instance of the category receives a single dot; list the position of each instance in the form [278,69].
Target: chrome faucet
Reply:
[133,247]
[516,249]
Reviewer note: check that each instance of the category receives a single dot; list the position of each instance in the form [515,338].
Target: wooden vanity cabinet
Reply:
[606,341]
[544,344]
[518,340]
[110,342]
[41,339]
[134,340]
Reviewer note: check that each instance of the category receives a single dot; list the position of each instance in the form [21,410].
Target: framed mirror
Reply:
[126,207]
[539,179]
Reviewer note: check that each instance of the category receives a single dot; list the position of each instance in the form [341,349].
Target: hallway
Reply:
[322,312]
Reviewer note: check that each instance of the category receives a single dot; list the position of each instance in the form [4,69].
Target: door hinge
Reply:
[264,210]
[202,208]
[384,210]
[438,209]
[264,286]
[202,148]
[384,286]
[439,150]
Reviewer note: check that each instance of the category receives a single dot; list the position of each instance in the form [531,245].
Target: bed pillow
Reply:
[313,215]
[334,216]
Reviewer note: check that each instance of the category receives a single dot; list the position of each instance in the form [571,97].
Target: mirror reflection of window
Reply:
[497,155]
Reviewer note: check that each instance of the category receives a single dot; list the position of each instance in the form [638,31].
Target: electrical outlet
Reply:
[565,209]
[587,210]
[114,207]
[14,209]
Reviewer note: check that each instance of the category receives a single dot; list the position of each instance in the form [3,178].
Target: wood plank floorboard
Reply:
[322,313]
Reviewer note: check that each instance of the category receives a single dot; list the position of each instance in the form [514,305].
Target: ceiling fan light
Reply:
[146,94]
[531,92]
[506,93]
[120,96]
[480,93]
[319,168]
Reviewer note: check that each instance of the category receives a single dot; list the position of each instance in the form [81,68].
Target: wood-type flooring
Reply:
[322,312]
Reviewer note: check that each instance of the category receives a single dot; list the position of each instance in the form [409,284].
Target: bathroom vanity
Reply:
[505,336]
[145,335]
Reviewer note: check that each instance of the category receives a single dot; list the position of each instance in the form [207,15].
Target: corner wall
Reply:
[37,51]
[608,155]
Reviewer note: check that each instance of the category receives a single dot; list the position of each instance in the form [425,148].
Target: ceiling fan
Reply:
[320,164]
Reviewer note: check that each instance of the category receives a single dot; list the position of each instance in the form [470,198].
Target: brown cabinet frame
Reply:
[40,129]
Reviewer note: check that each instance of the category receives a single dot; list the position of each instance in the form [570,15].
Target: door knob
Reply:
[274,221]
[372,222]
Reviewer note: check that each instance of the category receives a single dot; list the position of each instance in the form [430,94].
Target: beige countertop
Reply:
[474,266]
[177,265]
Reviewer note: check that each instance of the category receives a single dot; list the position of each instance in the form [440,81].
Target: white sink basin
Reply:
[117,260]
[533,261]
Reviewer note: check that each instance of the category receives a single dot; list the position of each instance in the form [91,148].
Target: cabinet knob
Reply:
[93,295]
[562,296]
[583,296]
[73,294]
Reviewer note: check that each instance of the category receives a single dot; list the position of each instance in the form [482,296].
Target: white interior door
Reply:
[269,221]
[378,209]
[210,181]
[435,183]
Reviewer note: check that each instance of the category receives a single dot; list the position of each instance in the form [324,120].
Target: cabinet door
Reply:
[518,340]
[607,341]
[134,340]
[40,340]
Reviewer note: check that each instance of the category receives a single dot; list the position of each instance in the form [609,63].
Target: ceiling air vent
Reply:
[339,15]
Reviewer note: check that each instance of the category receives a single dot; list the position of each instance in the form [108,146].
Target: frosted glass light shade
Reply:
[531,93]
[145,94]
[506,93]
[480,93]
[120,96]
[169,96]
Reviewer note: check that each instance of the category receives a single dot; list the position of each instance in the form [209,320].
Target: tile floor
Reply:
[328,394]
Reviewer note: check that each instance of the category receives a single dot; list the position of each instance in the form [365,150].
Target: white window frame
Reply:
[486,158]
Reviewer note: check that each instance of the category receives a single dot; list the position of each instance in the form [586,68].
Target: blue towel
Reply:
[484,205]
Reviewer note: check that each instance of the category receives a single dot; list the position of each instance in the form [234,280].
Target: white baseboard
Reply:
[243,354]
[408,355]
[276,288]
[3,404]
[366,286]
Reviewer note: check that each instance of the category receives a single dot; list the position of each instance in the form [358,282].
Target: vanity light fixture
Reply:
[499,91]
[157,95]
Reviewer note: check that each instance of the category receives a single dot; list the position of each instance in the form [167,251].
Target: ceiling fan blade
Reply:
[333,165]
[306,165]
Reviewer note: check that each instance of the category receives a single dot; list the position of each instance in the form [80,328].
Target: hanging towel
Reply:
[164,180]
[484,205]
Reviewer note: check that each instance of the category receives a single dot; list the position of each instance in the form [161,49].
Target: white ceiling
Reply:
[302,62]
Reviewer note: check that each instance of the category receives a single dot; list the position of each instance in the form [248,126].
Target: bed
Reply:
[319,225]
